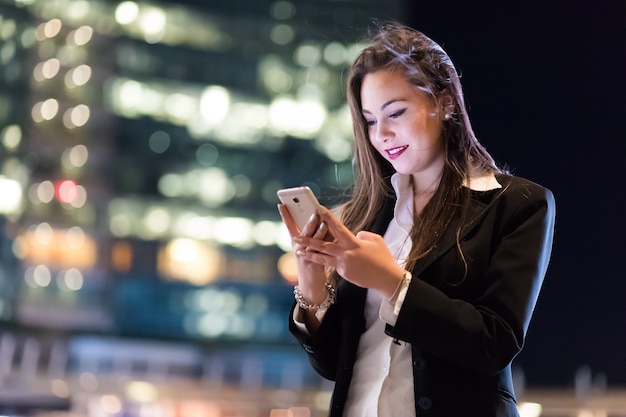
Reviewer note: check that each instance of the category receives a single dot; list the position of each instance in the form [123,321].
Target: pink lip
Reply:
[396,152]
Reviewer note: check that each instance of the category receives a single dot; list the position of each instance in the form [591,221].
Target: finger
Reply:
[369,236]
[316,257]
[337,228]
[311,226]
[288,220]
[321,231]
[317,245]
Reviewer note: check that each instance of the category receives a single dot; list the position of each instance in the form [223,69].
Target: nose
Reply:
[383,133]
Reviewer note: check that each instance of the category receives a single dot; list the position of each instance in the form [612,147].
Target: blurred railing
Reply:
[93,376]
[102,376]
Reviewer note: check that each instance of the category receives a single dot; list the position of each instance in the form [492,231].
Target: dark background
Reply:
[545,87]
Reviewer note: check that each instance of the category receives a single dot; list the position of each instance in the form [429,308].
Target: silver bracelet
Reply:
[330,298]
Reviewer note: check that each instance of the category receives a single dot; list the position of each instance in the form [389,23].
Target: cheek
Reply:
[433,126]
[376,146]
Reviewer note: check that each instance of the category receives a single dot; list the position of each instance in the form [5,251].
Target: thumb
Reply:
[368,236]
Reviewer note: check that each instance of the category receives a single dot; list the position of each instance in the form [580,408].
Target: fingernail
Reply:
[313,217]
[297,239]
[300,252]
[322,226]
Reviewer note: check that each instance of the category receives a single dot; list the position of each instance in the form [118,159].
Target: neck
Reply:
[422,195]
[425,187]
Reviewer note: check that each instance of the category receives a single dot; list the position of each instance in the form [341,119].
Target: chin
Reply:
[404,170]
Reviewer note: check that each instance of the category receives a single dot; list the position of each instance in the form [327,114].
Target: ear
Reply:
[446,105]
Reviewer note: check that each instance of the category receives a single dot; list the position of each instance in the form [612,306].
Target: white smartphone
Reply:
[301,203]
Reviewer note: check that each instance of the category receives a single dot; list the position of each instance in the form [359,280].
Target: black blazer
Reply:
[464,333]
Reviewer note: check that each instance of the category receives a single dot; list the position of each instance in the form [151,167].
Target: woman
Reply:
[418,299]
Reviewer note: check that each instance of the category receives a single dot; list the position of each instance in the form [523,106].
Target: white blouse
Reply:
[382,380]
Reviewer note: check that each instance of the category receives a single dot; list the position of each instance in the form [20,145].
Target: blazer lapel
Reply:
[475,211]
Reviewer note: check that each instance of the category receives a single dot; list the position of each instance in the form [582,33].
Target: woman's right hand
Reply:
[311,276]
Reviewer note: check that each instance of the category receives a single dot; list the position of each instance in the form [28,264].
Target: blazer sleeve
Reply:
[321,347]
[335,342]
[485,331]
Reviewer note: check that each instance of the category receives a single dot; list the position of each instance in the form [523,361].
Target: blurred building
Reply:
[141,148]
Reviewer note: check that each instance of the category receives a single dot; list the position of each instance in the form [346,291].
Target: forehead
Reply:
[383,86]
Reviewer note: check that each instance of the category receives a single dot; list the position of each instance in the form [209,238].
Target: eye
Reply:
[397,114]
[370,123]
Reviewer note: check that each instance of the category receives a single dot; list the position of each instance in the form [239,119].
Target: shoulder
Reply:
[524,190]
[522,198]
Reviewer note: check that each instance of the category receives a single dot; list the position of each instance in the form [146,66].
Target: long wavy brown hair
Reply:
[426,65]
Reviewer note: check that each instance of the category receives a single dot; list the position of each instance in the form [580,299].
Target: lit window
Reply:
[283,10]
[282,34]
[126,12]
[152,22]
[78,76]
[50,68]
[78,155]
[81,36]
[11,136]
[52,28]
[189,260]
[214,104]
[307,55]
[11,192]
[76,116]
[66,191]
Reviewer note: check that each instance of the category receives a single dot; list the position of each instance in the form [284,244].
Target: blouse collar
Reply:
[402,183]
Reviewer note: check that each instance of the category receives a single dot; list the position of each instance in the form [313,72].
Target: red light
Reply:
[66,191]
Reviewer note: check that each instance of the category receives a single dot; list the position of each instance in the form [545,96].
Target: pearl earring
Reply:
[447,116]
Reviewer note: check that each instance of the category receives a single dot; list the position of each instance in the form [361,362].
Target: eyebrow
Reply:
[385,104]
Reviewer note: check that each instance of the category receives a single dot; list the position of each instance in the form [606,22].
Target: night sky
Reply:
[545,85]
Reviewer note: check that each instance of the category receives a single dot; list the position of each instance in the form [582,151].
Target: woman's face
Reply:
[404,123]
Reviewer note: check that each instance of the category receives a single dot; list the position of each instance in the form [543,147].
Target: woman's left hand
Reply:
[363,259]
